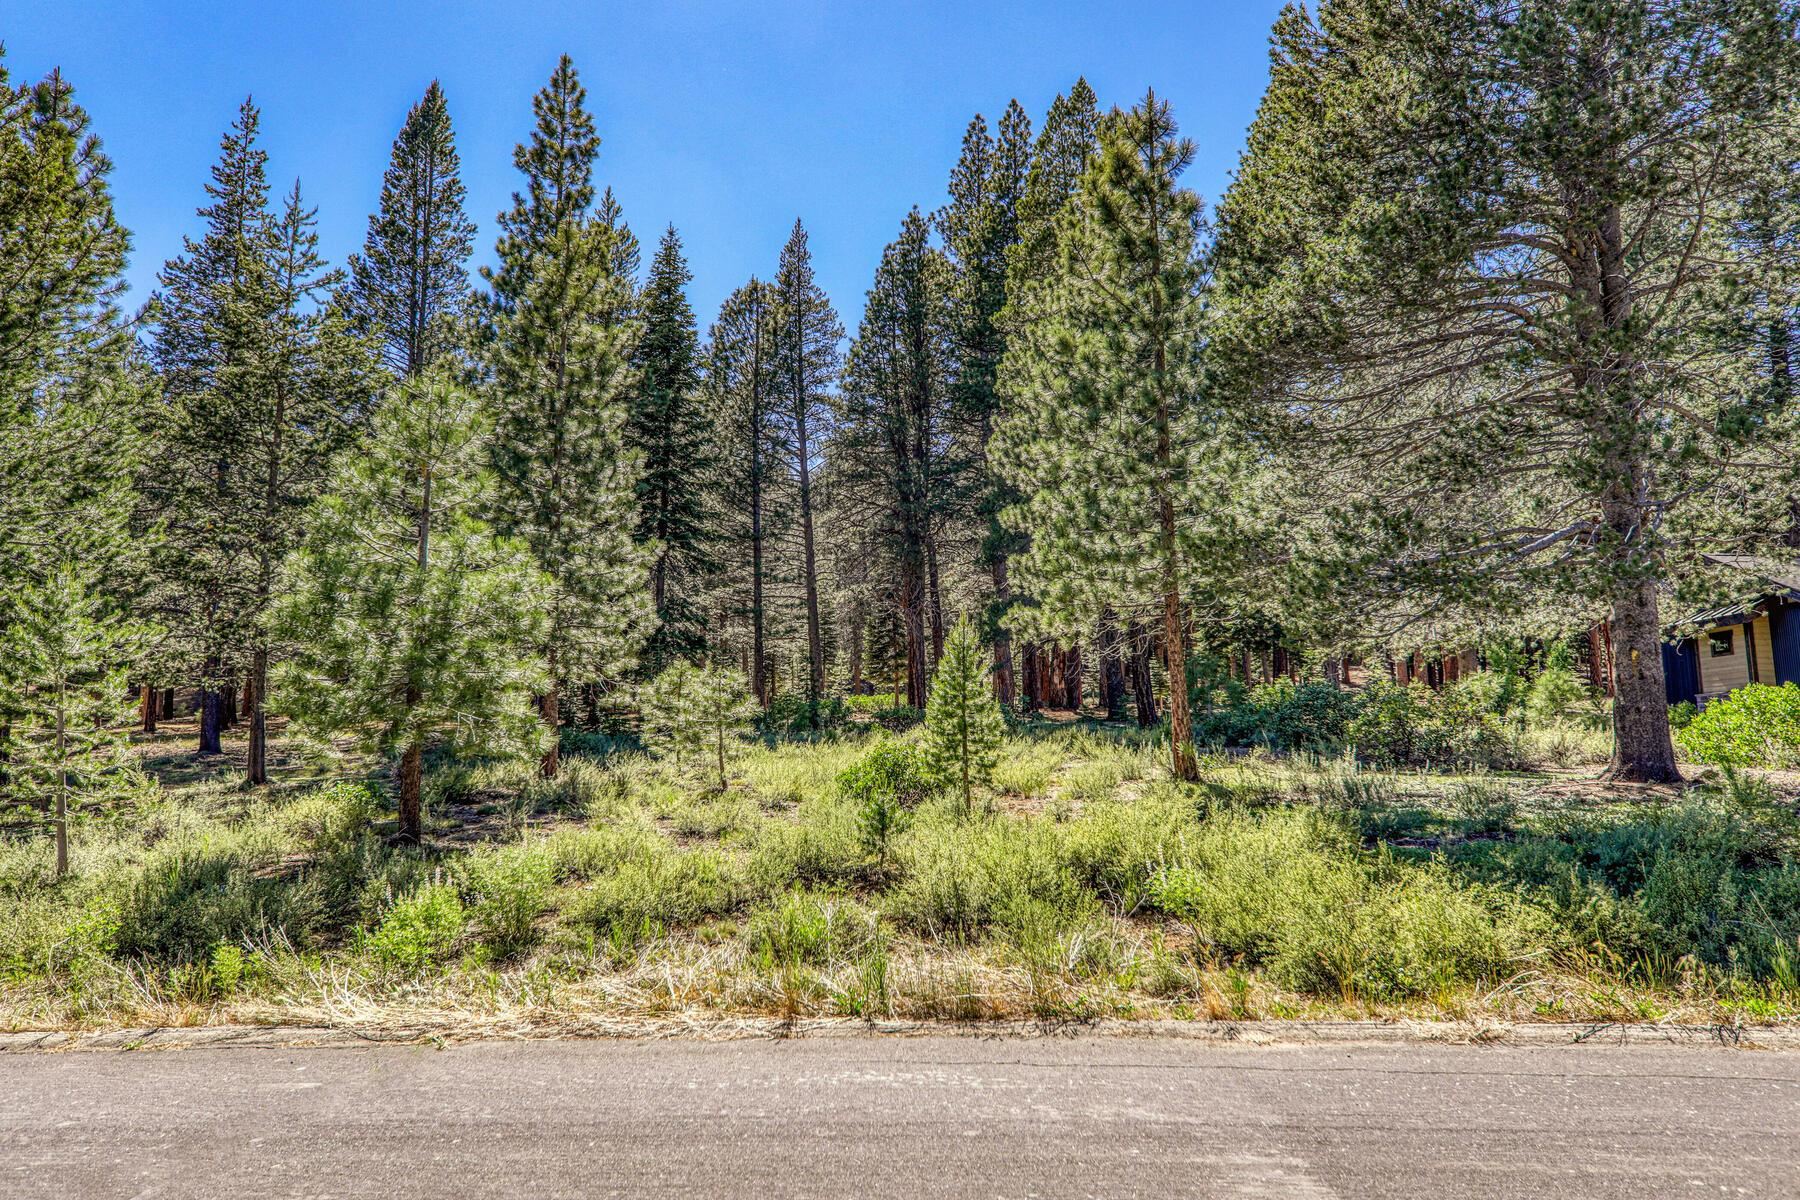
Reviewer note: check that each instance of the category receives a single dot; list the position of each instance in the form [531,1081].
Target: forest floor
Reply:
[1086,886]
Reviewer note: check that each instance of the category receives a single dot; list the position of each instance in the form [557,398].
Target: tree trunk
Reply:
[256,767]
[211,719]
[412,790]
[148,708]
[912,609]
[168,702]
[1143,681]
[1643,751]
[1032,698]
[936,600]
[759,667]
[62,788]
[1112,668]
[1071,679]
[1003,659]
[550,710]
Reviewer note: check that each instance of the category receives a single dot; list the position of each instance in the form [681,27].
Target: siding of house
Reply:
[1722,674]
[1765,652]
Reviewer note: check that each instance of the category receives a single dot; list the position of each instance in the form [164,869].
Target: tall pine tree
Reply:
[558,374]
[409,283]
[979,227]
[671,430]
[807,333]
[893,462]
[740,380]
[1110,372]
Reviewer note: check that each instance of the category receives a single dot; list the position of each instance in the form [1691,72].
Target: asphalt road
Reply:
[903,1117]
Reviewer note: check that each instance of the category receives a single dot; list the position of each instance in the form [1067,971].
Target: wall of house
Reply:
[1725,672]
[1765,652]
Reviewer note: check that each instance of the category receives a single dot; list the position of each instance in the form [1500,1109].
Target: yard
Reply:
[1084,884]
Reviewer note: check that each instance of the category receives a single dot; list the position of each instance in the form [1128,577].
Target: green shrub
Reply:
[509,890]
[791,715]
[1312,717]
[1755,726]
[645,895]
[1117,849]
[897,718]
[1682,715]
[809,927]
[824,846]
[962,878]
[419,931]
[1414,726]
[888,770]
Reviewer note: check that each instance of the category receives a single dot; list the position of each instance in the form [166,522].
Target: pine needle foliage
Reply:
[697,716]
[63,663]
[415,622]
[963,725]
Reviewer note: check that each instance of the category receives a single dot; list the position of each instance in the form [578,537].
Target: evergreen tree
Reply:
[261,388]
[413,621]
[963,726]
[979,226]
[807,333]
[1477,263]
[670,429]
[740,379]
[695,713]
[69,419]
[409,283]
[558,368]
[892,460]
[1110,373]
[63,663]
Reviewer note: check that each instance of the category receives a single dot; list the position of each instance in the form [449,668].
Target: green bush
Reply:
[1755,726]
[962,878]
[1290,890]
[809,927]
[419,931]
[658,891]
[824,846]
[791,715]
[509,890]
[1399,726]
[1312,717]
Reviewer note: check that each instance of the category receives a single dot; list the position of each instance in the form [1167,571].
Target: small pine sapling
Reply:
[963,725]
[693,713]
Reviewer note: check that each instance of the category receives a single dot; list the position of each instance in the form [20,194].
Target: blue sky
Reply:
[728,120]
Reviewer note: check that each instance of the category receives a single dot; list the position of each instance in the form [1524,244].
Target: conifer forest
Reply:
[1366,592]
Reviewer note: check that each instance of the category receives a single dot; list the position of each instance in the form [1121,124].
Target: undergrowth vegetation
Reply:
[832,878]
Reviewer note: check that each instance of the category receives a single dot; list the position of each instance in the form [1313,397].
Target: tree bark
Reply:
[1143,682]
[1643,750]
[1029,694]
[211,718]
[148,708]
[256,767]
[412,790]
[1003,659]
[1112,668]
[550,710]
[912,608]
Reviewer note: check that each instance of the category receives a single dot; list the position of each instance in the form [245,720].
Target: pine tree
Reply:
[963,726]
[413,621]
[408,285]
[69,402]
[1477,265]
[559,373]
[893,463]
[1110,373]
[262,386]
[670,429]
[741,385]
[63,664]
[979,227]
[695,713]
[807,333]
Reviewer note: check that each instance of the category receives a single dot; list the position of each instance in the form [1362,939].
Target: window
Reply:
[1719,642]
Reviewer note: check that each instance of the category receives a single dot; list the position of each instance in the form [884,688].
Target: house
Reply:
[1723,649]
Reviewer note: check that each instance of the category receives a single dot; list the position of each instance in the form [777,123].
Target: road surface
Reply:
[902,1117]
